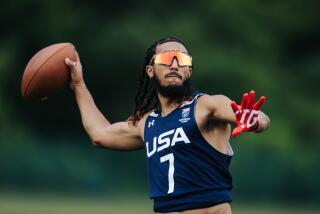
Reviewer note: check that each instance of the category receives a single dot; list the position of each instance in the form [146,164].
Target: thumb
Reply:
[237,131]
[71,64]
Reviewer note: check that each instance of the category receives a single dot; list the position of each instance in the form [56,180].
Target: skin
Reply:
[213,115]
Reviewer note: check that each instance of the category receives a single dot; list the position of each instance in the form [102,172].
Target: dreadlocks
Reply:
[146,97]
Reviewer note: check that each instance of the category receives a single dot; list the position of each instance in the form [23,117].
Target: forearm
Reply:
[116,136]
[92,118]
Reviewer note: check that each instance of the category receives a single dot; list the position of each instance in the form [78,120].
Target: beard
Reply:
[174,92]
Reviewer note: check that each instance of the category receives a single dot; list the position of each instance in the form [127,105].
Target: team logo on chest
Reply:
[165,140]
[185,114]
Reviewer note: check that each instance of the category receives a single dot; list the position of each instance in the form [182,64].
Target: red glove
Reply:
[246,113]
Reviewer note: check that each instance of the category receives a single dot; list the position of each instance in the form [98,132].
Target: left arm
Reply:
[247,116]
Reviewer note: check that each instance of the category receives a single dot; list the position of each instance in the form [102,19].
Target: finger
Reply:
[236,110]
[69,62]
[235,107]
[251,98]
[259,103]
[244,100]
[237,131]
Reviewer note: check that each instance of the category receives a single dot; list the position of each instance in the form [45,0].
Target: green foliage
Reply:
[272,47]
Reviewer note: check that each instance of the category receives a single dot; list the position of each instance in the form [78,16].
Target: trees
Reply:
[272,47]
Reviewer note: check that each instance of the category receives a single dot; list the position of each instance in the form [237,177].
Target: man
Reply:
[185,133]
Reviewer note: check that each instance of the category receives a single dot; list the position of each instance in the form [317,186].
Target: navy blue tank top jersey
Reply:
[185,171]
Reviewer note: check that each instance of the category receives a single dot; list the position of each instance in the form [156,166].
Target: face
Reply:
[170,79]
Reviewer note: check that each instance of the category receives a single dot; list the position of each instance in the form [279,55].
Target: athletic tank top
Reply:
[185,171]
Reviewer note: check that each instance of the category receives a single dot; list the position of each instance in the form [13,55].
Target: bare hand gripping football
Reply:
[247,113]
[75,70]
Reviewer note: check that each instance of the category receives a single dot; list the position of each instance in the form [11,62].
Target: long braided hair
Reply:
[146,97]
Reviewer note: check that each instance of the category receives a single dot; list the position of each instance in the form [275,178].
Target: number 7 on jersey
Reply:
[170,158]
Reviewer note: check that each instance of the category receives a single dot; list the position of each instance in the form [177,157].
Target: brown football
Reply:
[46,73]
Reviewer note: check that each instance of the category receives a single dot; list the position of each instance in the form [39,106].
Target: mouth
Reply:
[173,75]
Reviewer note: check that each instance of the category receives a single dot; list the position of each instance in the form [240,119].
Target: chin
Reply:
[172,84]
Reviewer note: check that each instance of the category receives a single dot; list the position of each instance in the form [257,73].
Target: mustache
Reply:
[173,74]
[173,92]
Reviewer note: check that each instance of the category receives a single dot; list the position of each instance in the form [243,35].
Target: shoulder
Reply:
[213,101]
[141,123]
[138,127]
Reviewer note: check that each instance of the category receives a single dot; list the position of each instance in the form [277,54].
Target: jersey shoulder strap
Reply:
[195,96]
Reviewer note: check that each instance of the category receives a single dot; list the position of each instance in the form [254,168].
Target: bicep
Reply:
[220,108]
[118,136]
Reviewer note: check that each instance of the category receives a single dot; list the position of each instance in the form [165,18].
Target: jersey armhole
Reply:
[148,116]
[230,152]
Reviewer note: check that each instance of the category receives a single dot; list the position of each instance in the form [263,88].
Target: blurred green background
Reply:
[47,163]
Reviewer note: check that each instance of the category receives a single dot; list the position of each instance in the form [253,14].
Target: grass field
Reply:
[35,204]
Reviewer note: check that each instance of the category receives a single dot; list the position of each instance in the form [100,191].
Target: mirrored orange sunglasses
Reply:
[166,58]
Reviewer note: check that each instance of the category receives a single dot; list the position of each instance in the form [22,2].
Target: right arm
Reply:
[117,136]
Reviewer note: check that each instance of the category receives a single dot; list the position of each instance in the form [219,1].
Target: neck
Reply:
[167,104]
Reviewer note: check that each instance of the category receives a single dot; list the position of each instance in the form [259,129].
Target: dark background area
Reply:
[272,47]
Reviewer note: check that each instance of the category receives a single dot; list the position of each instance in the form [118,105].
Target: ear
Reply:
[190,72]
[149,70]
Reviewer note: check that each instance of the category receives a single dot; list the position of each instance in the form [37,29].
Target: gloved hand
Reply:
[247,113]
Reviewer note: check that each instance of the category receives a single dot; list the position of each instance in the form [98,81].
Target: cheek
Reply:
[159,72]
[186,73]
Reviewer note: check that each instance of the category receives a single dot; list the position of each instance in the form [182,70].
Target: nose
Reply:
[174,63]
